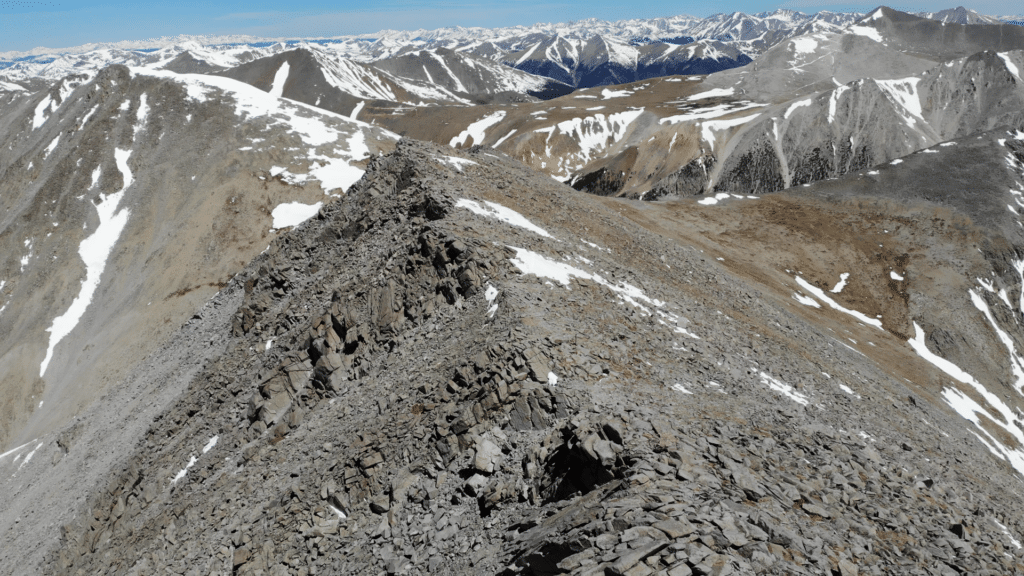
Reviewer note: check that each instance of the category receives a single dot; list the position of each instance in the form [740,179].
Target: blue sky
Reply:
[56,24]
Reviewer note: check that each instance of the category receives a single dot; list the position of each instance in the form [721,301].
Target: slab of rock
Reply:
[675,528]
[634,557]
[487,457]
[816,510]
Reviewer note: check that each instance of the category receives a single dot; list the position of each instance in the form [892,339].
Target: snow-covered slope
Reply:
[465,75]
[423,78]
[53,66]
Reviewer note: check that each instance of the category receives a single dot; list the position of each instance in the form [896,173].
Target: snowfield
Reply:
[94,251]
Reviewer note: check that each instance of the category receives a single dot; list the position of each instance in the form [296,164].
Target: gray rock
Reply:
[476,484]
[630,559]
[487,456]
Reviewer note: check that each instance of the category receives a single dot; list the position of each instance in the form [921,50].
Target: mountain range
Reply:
[733,295]
[583,53]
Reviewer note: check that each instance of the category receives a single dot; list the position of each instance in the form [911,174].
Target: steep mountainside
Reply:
[479,79]
[939,40]
[426,78]
[128,200]
[414,382]
[812,107]
[869,122]
[602,61]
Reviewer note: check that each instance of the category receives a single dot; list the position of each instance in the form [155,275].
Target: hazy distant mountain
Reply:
[961,15]
[580,54]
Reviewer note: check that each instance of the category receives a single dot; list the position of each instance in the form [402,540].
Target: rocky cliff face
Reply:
[464,367]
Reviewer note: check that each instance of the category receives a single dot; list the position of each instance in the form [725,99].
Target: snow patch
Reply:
[591,133]
[181,473]
[499,212]
[314,125]
[140,116]
[794,106]
[530,262]
[969,409]
[503,138]
[476,130]
[294,213]
[355,111]
[341,515]
[30,455]
[15,450]
[708,113]
[40,115]
[709,128]
[833,102]
[1016,362]
[904,95]
[491,294]
[280,77]
[52,145]
[209,445]
[895,276]
[784,389]
[94,252]
[866,31]
[1013,70]
[607,94]
[712,200]
[457,163]
[336,174]
[806,300]
[804,45]
[820,294]
[842,283]
[1006,531]
[714,93]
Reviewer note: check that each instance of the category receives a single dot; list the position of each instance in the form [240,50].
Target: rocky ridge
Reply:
[412,383]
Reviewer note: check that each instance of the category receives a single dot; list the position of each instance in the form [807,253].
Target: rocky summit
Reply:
[293,314]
